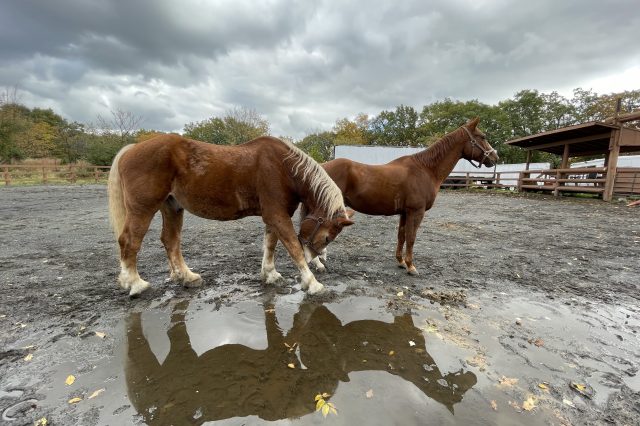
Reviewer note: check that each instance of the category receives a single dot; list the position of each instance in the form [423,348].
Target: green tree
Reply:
[318,145]
[399,127]
[239,125]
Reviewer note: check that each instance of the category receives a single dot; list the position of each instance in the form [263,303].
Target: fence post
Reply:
[7,176]
[466,181]
[44,174]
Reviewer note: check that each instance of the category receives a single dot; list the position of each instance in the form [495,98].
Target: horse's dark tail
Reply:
[117,209]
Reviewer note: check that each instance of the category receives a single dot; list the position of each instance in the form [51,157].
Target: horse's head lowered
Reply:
[317,231]
[477,148]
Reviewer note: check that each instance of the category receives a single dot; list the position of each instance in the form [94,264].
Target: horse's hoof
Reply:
[138,287]
[316,288]
[321,268]
[271,277]
[195,281]
[412,271]
[402,265]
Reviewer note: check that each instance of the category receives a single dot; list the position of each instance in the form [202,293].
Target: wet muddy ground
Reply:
[527,311]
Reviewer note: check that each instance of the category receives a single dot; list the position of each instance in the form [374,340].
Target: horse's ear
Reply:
[344,221]
[471,125]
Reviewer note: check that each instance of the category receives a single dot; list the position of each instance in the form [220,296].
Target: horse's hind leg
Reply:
[130,240]
[268,271]
[401,238]
[172,218]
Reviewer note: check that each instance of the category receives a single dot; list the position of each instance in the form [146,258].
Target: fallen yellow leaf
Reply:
[494,405]
[369,393]
[543,386]
[96,393]
[506,381]
[400,294]
[70,379]
[291,365]
[320,403]
[100,334]
[269,311]
[391,353]
[42,422]
[28,357]
[530,403]
[325,410]
[75,400]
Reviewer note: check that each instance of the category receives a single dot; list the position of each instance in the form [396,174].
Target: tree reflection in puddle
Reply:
[234,380]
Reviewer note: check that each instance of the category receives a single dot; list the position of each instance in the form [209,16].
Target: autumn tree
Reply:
[237,126]
[319,145]
[352,132]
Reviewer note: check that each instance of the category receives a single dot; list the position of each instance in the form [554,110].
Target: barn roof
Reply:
[585,139]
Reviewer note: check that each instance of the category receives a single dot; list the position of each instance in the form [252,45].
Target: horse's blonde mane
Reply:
[326,192]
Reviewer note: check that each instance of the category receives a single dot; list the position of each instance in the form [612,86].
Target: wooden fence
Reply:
[50,173]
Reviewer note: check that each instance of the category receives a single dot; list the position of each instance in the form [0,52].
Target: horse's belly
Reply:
[220,206]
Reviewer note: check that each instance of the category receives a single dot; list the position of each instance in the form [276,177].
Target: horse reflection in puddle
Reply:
[234,380]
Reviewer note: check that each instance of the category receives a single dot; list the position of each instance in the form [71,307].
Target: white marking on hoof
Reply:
[323,254]
[138,287]
[271,277]
[315,287]
[318,265]
[412,271]
[402,264]
[123,282]
[194,280]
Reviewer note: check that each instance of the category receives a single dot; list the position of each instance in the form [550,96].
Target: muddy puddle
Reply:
[492,359]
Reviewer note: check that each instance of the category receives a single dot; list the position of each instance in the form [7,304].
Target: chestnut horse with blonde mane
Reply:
[264,177]
[408,186]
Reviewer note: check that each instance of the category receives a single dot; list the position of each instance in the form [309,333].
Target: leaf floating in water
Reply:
[530,403]
[506,381]
[75,400]
[28,357]
[96,393]
[70,379]
[391,353]
[100,334]
[369,394]
[412,343]
[291,365]
[324,406]
[494,405]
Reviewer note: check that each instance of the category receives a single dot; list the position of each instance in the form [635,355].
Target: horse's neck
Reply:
[442,157]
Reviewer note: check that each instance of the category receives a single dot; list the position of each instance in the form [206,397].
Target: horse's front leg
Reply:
[268,271]
[414,218]
[319,265]
[401,239]
[284,227]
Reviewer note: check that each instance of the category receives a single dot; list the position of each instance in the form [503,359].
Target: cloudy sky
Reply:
[303,64]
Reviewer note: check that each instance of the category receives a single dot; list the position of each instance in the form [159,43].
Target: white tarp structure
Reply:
[623,161]
[385,154]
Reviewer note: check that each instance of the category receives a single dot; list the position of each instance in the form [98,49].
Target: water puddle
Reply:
[394,360]
[269,361]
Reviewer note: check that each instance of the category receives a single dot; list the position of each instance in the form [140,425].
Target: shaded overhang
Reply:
[584,139]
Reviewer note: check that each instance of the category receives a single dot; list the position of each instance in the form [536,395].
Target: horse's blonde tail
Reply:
[117,209]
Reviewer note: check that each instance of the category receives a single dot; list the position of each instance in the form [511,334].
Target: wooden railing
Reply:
[585,179]
[52,173]
[495,180]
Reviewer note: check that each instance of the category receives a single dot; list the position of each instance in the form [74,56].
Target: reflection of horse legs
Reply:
[414,218]
[172,216]
[284,227]
[401,237]
[135,227]
[268,272]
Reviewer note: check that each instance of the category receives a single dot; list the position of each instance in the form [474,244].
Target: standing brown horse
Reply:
[264,177]
[408,185]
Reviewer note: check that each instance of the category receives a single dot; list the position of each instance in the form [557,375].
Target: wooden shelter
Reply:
[609,138]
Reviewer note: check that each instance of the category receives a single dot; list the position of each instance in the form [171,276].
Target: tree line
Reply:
[38,133]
